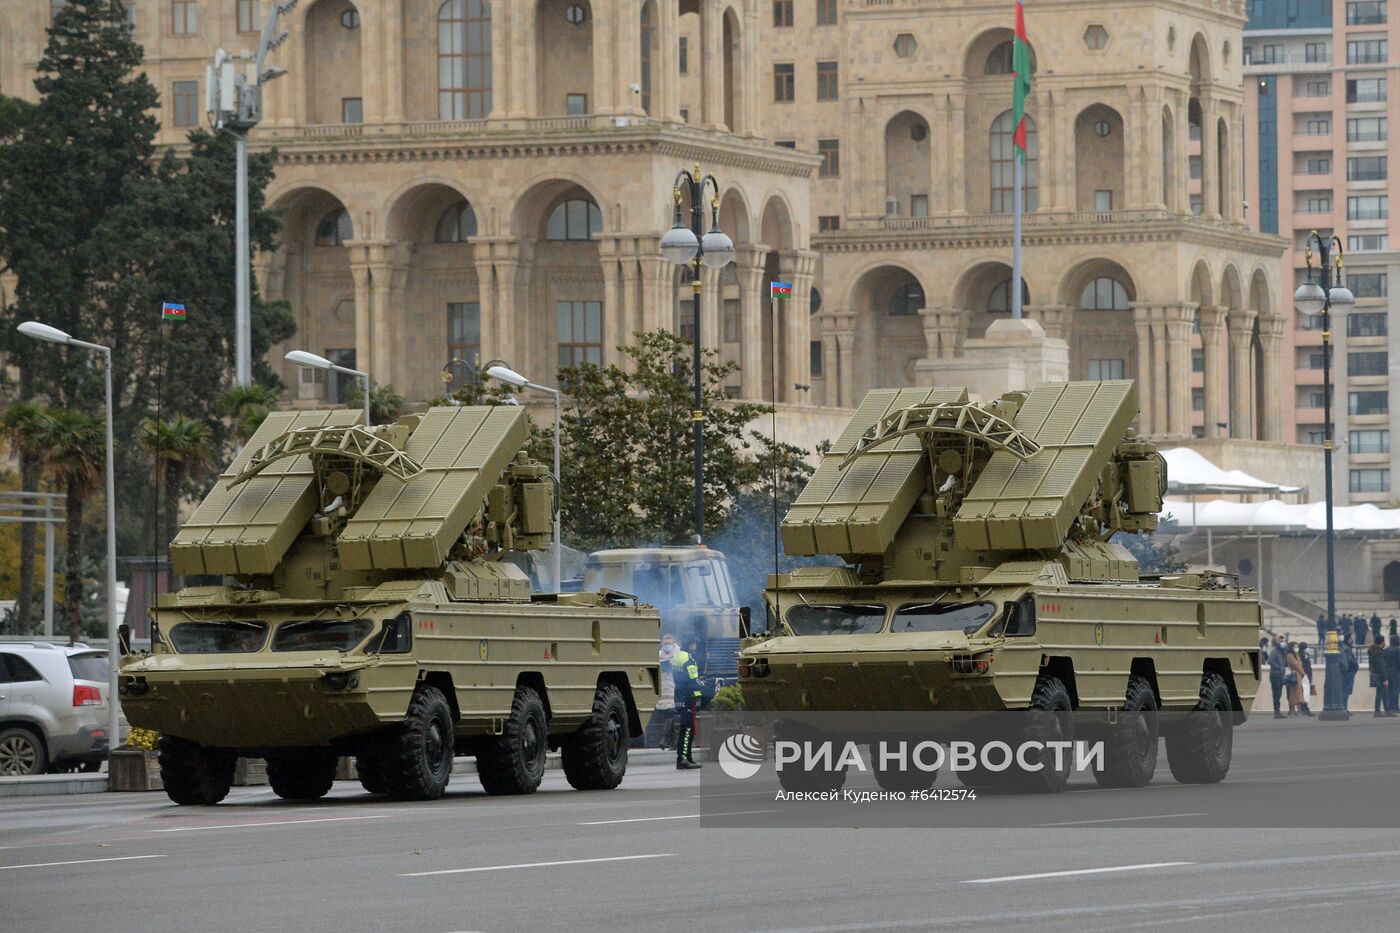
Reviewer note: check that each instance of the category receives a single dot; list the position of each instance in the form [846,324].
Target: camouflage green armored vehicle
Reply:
[980,576]
[364,610]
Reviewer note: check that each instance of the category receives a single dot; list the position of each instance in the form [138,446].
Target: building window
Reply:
[249,15]
[350,19]
[1366,51]
[335,228]
[338,385]
[1267,55]
[1002,152]
[1001,60]
[1103,201]
[816,359]
[1368,363]
[580,332]
[1197,204]
[1315,360]
[1104,294]
[464,60]
[1101,370]
[1366,168]
[575,14]
[1368,402]
[826,12]
[1370,480]
[683,55]
[1316,399]
[732,320]
[685,114]
[1367,324]
[1361,242]
[782,13]
[1198,361]
[918,205]
[576,105]
[184,17]
[1366,12]
[907,299]
[648,36]
[784,83]
[1366,129]
[1315,53]
[1322,166]
[1365,90]
[1367,284]
[1368,207]
[830,151]
[574,219]
[184,95]
[828,223]
[464,332]
[457,224]
[1320,205]
[1317,87]
[828,85]
[1369,442]
[1315,126]
[786,143]
[1193,166]
[352,110]
[1198,399]
[905,45]
[999,301]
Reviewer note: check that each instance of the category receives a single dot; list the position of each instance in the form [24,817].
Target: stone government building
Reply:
[491,179]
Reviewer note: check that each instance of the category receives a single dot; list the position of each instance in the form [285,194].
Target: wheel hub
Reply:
[17,756]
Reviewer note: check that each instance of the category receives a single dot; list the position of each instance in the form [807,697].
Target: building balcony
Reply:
[1303,415]
[1306,181]
[1307,376]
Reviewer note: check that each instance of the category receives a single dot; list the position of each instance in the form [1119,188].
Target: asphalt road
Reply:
[640,858]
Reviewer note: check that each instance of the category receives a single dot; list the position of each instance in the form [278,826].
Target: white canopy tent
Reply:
[1189,473]
[1275,517]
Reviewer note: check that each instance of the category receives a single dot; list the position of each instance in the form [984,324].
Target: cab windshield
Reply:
[321,635]
[218,637]
[845,619]
[950,617]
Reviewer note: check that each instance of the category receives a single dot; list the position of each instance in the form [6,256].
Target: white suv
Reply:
[53,707]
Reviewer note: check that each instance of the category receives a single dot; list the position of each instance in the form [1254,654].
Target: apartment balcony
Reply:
[1303,415]
[1307,376]
[1305,181]
[1303,104]
[1315,219]
[1290,63]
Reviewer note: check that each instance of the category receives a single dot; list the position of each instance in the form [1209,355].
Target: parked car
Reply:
[53,707]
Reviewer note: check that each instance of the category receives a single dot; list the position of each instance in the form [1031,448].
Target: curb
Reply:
[45,785]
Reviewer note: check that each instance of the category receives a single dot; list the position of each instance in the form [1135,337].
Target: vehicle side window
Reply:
[4,668]
[1022,619]
[18,670]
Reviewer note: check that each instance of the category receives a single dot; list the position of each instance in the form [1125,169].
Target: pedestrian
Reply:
[1393,627]
[1380,679]
[1348,666]
[1293,679]
[1392,668]
[686,675]
[1376,627]
[1308,686]
[1278,667]
[1322,626]
[1360,628]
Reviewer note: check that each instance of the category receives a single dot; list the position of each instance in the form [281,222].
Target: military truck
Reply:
[365,610]
[981,576]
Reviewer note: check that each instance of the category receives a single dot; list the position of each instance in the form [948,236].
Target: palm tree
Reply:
[246,407]
[181,447]
[385,404]
[20,426]
[74,449]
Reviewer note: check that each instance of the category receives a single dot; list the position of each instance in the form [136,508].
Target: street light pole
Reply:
[684,246]
[312,361]
[511,377]
[53,335]
[1319,298]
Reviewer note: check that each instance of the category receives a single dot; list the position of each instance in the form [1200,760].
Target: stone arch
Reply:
[982,295]
[989,53]
[332,64]
[735,216]
[1198,64]
[731,42]
[1103,340]
[777,228]
[564,58]
[908,164]
[1199,287]
[411,213]
[1259,292]
[530,205]
[1231,291]
[886,298]
[1099,159]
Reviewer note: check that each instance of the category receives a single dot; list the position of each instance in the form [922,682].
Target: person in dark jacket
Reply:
[1322,627]
[1394,627]
[1305,659]
[1376,628]
[1360,628]
[1380,680]
[1278,665]
[1349,667]
[1392,669]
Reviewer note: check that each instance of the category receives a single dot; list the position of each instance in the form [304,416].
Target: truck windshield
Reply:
[848,619]
[952,617]
[321,635]
[218,637]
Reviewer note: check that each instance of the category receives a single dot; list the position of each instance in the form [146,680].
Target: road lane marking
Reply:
[577,861]
[1077,871]
[327,819]
[81,861]
[1123,819]
[683,816]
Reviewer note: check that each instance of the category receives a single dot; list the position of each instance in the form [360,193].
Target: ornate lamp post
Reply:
[684,246]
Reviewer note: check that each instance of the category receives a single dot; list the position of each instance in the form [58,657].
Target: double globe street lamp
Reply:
[1323,298]
[684,246]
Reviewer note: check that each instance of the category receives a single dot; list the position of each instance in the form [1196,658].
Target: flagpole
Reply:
[1016,197]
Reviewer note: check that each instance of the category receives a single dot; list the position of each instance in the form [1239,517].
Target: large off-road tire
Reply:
[595,756]
[1130,750]
[419,760]
[21,752]
[373,772]
[894,779]
[513,762]
[1049,719]
[1199,749]
[307,776]
[194,775]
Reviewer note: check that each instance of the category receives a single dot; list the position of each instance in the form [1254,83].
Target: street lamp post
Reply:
[684,246]
[53,335]
[511,377]
[1313,298]
[312,361]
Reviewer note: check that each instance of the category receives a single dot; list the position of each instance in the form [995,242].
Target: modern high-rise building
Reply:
[491,179]
[1320,76]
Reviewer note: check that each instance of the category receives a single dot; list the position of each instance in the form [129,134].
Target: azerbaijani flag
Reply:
[782,289]
[1021,64]
[172,311]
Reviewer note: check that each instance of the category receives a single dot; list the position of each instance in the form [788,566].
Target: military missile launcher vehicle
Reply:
[365,610]
[981,576]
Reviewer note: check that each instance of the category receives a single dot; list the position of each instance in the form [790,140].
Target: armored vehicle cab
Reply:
[365,610]
[981,576]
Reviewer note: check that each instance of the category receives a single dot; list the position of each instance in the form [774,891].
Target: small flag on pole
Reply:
[172,311]
[782,289]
